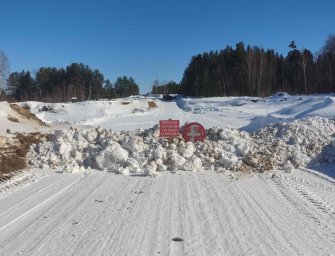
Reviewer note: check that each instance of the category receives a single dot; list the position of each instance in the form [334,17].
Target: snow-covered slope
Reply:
[247,113]
[16,122]
[251,113]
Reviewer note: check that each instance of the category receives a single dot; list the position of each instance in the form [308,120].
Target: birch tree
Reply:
[4,67]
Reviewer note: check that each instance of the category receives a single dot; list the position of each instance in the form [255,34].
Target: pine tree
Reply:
[292,45]
[125,87]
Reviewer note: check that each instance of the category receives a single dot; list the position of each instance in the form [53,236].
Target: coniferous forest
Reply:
[253,71]
[61,85]
[234,71]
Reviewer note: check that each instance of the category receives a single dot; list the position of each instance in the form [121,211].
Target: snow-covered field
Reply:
[248,189]
[247,113]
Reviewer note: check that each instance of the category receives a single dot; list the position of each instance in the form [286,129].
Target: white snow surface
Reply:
[239,134]
[246,113]
[212,213]
[143,152]
[260,183]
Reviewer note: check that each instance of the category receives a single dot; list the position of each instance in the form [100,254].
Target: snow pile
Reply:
[300,142]
[284,146]
[142,152]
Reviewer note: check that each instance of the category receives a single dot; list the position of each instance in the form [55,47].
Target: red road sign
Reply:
[194,132]
[169,128]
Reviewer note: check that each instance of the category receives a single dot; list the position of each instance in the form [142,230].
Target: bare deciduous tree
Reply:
[4,67]
[329,46]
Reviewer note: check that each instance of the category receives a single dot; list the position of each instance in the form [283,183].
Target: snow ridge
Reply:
[277,146]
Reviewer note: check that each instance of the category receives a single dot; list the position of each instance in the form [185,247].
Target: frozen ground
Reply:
[217,210]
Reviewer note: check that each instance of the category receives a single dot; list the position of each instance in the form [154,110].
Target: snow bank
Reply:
[301,141]
[141,152]
[88,112]
[284,146]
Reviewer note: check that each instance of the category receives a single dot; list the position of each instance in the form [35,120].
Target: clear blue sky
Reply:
[152,39]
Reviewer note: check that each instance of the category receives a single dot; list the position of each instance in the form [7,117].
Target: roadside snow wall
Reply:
[276,146]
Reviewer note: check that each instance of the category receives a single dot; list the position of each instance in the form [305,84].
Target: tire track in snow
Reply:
[82,224]
[27,199]
[240,214]
[316,200]
[213,215]
[34,231]
[122,226]
[38,205]
[16,182]
[298,197]
[108,214]
[275,227]
[106,220]
[193,234]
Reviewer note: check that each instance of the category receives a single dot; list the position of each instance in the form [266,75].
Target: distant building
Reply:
[74,99]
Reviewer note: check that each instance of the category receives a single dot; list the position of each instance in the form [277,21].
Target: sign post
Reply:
[169,128]
[194,132]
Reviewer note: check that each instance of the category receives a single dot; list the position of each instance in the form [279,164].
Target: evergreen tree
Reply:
[14,85]
[125,87]
[292,45]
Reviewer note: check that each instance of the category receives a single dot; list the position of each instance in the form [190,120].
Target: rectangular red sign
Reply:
[169,128]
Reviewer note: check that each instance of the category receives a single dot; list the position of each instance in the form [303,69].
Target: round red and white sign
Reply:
[194,132]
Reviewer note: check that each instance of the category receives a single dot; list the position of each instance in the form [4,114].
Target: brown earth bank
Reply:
[15,146]
[25,113]
[13,151]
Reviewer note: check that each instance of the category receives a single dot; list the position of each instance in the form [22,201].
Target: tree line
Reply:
[255,71]
[77,80]
[233,71]
[165,87]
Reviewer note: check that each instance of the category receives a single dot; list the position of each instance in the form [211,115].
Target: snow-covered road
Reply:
[213,213]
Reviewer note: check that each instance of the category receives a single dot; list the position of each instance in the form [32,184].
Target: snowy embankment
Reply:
[246,113]
[253,113]
[12,119]
[278,146]
[107,114]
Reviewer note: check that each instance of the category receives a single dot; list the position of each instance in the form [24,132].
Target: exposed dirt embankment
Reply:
[14,146]
[13,151]
[25,113]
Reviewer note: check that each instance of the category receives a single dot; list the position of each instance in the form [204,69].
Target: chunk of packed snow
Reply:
[111,157]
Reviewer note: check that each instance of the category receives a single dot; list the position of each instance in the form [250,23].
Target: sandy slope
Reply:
[22,123]
[215,214]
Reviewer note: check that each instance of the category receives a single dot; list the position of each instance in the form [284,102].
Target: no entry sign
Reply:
[169,128]
[194,132]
